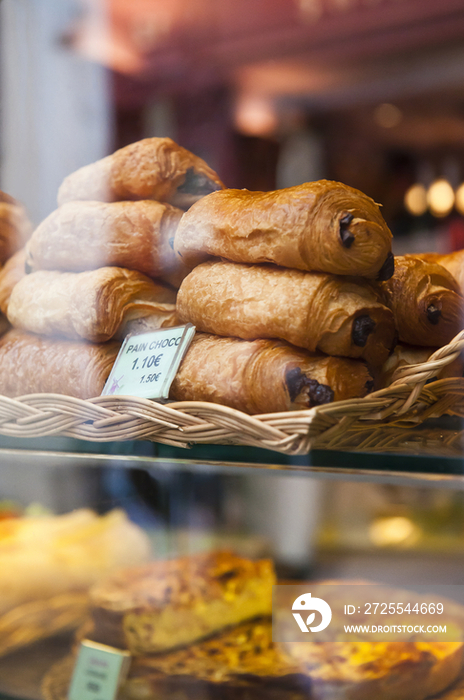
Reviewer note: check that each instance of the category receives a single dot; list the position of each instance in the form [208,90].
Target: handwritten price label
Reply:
[99,672]
[147,363]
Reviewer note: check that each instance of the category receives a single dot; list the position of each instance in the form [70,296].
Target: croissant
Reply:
[264,376]
[30,364]
[154,168]
[13,270]
[15,227]
[94,305]
[323,226]
[453,262]
[88,235]
[425,301]
[311,310]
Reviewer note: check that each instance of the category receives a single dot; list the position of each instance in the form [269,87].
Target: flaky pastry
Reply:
[88,235]
[312,310]
[323,225]
[263,376]
[31,364]
[95,305]
[154,168]
[425,300]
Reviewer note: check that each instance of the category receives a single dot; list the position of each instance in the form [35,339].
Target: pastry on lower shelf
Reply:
[87,235]
[154,168]
[332,314]
[13,270]
[263,376]
[425,300]
[407,355]
[15,227]
[31,364]
[323,225]
[95,305]
[171,603]
[50,555]
[244,663]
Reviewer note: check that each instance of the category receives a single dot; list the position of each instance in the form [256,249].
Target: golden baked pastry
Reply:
[241,663]
[15,227]
[244,663]
[333,314]
[167,604]
[384,671]
[30,364]
[94,305]
[88,235]
[425,300]
[453,262]
[263,376]
[406,355]
[154,168]
[323,225]
[13,270]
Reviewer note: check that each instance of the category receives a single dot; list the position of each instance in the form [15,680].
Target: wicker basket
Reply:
[385,421]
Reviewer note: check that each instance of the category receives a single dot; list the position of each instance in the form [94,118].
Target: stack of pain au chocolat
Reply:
[298,300]
[200,626]
[99,267]
[295,294]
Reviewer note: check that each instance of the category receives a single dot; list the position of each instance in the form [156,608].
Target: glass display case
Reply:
[156,527]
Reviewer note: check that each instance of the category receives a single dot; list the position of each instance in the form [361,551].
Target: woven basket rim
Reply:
[407,402]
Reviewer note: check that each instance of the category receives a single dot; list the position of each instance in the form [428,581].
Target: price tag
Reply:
[99,672]
[147,363]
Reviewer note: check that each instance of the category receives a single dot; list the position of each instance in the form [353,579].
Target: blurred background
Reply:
[271,93]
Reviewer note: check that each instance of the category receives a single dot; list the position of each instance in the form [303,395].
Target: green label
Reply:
[99,672]
[147,363]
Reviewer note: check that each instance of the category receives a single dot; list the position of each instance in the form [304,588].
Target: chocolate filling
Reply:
[369,385]
[198,184]
[361,330]
[346,236]
[387,269]
[296,382]
[433,314]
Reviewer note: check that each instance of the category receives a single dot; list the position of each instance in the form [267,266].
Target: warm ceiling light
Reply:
[387,115]
[440,197]
[460,199]
[255,116]
[415,200]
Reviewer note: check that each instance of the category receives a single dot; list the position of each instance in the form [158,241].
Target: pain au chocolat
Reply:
[332,314]
[264,376]
[453,262]
[425,300]
[171,603]
[324,226]
[154,168]
[31,364]
[87,235]
[95,305]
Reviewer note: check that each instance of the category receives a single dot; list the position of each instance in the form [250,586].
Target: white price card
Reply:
[147,363]
[99,672]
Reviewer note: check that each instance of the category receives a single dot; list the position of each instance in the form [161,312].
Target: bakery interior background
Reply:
[270,93]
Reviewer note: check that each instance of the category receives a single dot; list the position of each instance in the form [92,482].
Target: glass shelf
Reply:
[366,466]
